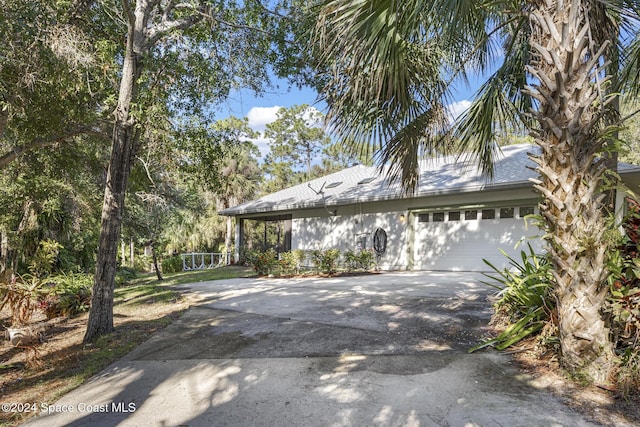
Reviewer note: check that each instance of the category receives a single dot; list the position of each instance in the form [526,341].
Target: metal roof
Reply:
[358,184]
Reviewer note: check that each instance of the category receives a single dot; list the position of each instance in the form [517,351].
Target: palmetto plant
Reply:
[554,71]
[20,297]
[523,297]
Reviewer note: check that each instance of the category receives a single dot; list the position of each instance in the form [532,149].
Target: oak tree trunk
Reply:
[154,256]
[566,67]
[124,142]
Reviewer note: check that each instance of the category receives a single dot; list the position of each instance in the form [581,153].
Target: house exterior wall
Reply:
[411,244]
[353,229]
[343,210]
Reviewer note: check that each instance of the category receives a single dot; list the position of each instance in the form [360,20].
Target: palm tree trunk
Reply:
[571,173]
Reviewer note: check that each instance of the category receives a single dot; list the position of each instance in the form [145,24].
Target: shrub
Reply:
[524,301]
[142,263]
[124,275]
[350,260]
[68,295]
[365,260]
[288,263]
[263,262]
[43,262]
[299,256]
[326,261]
[362,260]
[172,264]
[21,296]
[628,373]
[623,301]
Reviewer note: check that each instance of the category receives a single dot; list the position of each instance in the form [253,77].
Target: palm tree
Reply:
[239,174]
[236,170]
[391,68]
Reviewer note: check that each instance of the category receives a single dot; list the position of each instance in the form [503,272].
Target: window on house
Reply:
[526,210]
[507,213]
[423,217]
[488,213]
[454,216]
[471,214]
[438,216]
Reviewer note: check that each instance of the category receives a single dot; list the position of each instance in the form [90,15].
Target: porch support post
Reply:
[264,241]
[239,239]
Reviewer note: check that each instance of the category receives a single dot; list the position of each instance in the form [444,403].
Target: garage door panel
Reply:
[462,245]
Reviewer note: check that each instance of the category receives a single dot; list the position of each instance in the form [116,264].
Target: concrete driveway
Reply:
[388,349]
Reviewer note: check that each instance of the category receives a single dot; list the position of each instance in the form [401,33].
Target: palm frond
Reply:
[419,138]
[501,105]
[386,77]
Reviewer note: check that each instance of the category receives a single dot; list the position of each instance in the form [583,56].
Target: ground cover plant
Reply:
[523,302]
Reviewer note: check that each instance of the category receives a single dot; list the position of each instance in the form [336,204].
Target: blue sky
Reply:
[261,110]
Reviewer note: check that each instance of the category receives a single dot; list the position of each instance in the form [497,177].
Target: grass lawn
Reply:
[46,371]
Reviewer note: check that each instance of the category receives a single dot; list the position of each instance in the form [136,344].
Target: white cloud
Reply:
[259,117]
[457,108]
[312,117]
[263,145]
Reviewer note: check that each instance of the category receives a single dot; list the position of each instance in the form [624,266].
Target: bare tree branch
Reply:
[167,25]
[127,10]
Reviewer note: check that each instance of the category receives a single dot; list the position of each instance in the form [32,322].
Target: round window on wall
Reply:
[380,241]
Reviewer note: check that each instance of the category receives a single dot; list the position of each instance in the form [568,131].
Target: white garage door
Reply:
[459,239]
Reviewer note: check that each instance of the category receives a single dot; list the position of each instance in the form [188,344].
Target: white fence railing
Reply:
[204,260]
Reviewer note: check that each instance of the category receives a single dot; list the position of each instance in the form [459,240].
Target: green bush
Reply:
[524,301]
[362,260]
[142,263]
[299,255]
[326,261]
[263,262]
[172,264]
[350,260]
[288,263]
[124,275]
[365,260]
[68,295]
[43,261]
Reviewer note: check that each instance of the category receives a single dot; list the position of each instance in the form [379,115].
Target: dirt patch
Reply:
[603,406]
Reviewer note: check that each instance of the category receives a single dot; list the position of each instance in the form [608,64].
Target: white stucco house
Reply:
[456,218]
